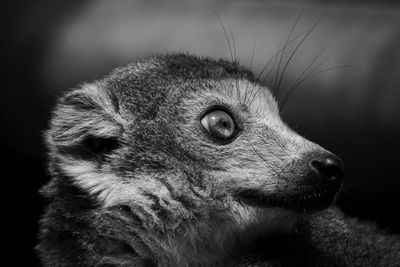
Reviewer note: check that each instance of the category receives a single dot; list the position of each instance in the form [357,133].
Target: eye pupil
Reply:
[219,124]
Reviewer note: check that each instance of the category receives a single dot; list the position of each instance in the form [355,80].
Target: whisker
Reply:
[236,61]
[273,59]
[252,53]
[316,73]
[270,70]
[295,50]
[333,68]
[233,41]
[226,35]
[272,168]
[277,53]
[284,150]
[301,79]
[251,66]
[270,151]
[283,52]
[267,75]
[232,49]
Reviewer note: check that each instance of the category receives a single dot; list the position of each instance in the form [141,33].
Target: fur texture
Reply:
[137,181]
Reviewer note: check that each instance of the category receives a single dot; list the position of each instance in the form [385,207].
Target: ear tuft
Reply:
[101,145]
[91,148]
[86,123]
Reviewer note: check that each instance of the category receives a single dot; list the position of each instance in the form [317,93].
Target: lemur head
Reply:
[176,140]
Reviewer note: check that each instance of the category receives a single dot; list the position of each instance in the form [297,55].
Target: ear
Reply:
[86,124]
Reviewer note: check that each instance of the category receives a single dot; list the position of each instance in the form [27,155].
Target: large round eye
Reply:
[219,124]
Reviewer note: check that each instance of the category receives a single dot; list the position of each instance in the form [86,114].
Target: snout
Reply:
[308,184]
[319,177]
[328,167]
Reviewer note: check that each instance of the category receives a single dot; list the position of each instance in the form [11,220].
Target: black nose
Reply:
[329,167]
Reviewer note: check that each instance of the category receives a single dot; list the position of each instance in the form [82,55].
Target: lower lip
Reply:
[301,202]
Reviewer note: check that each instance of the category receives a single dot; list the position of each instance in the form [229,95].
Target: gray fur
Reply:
[137,181]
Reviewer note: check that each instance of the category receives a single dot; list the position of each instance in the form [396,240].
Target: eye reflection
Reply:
[219,124]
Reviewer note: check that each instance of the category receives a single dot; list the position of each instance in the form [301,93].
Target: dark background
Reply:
[353,109]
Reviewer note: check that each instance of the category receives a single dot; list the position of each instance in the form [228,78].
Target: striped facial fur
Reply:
[175,161]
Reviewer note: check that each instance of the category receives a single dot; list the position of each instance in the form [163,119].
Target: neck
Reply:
[206,240]
[129,234]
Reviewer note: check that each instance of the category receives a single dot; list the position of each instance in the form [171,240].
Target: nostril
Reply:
[329,167]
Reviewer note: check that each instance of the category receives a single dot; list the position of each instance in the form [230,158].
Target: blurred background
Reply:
[349,103]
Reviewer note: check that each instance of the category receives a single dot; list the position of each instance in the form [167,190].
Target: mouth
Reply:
[303,199]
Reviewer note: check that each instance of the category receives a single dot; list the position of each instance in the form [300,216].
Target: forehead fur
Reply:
[143,87]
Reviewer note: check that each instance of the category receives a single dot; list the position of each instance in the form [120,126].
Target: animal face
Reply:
[158,128]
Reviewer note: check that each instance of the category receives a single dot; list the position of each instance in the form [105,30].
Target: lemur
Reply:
[180,160]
